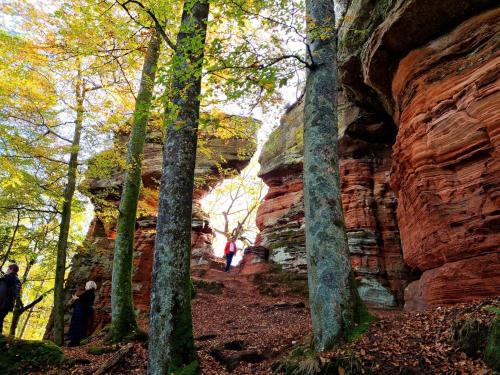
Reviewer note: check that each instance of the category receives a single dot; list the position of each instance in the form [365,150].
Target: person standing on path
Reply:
[82,314]
[229,251]
[10,290]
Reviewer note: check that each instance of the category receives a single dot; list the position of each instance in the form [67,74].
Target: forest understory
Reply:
[240,330]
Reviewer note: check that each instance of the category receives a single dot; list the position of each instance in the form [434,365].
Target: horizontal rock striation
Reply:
[419,139]
[220,156]
[446,164]
[369,205]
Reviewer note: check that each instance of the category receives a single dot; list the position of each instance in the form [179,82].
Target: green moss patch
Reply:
[192,369]
[277,282]
[212,287]
[21,356]
[492,352]
[100,350]
[364,320]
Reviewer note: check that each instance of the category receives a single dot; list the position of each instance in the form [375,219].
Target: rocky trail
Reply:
[244,324]
[237,330]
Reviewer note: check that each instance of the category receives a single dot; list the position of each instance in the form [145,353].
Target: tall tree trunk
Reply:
[331,285]
[12,239]
[171,344]
[122,308]
[18,306]
[25,323]
[69,191]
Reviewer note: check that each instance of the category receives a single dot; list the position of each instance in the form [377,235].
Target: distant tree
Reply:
[332,292]
[239,199]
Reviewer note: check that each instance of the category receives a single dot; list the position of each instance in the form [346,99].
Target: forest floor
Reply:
[239,330]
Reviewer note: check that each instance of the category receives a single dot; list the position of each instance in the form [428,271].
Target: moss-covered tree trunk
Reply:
[331,286]
[69,191]
[171,343]
[122,308]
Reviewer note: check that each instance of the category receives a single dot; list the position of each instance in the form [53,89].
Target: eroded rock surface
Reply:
[369,206]
[446,162]
[419,119]
[220,156]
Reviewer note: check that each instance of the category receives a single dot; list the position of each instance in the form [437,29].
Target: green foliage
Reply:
[100,350]
[492,352]
[493,309]
[212,287]
[301,361]
[305,361]
[21,355]
[470,336]
[191,369]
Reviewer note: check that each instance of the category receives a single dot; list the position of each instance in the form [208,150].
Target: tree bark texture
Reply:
[331,289]
[122,304]
[171,343]
[11,243]
[64,227]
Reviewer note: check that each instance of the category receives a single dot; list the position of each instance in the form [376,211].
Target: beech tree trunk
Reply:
[331,285]
[69,191]
[11,243]
[171,343]
[122,304]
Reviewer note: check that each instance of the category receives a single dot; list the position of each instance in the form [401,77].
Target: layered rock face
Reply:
[280,217]
[446,163]
[369,206]
[94,260]
[419,127]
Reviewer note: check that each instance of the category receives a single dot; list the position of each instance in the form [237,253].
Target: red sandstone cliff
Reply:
[446,163]
[219,157]
[419,115]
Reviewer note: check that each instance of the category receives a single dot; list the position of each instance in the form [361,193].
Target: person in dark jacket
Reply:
[82,314]
[10,290]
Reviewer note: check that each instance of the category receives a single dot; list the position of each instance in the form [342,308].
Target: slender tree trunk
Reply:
[331,285]
[171,343]
[122,308]
[11,243]
[18,306]
[16,315]
[20,309]
[25,323]
[69,191]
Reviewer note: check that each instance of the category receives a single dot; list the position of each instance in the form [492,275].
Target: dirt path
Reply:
[244,331]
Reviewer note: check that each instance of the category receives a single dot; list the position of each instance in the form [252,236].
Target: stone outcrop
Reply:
[369,206]
[419,127]
[220,156]
[446,163]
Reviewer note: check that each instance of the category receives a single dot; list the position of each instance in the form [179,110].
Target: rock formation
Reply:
[369,205]
[447,97]
[219,156]
[419,124]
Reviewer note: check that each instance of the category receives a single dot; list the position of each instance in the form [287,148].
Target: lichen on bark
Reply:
[332,291]
[171,342]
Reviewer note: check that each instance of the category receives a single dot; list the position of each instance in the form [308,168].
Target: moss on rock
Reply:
[21,356]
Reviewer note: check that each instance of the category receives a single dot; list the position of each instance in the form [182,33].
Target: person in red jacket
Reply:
[230,251]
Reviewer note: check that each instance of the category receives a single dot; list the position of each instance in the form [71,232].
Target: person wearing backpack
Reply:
[10,290]
[230,251]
